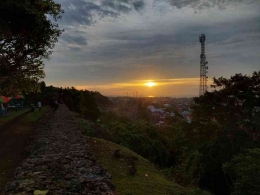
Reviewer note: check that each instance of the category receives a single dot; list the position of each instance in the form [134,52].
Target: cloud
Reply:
[133,40]
[138,5]
[74,39]
[87,12]
[199,5]
[243,38]
[169,87]
[142,83]
[75,49]
[184,3]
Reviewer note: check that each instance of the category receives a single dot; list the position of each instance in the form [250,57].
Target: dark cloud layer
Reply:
[88,11]
[199,5]
[111,41]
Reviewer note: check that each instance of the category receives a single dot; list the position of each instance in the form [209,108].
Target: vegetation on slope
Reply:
[11,115]
[139,136]
[147,180]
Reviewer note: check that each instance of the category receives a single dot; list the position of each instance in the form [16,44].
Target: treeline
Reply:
[87,103]
[219,151]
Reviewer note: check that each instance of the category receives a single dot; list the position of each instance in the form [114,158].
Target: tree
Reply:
[244,172]
[28,32]
[87,105]
[234,104]
[226,123]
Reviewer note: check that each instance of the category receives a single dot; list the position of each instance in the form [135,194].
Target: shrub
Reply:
[244,172]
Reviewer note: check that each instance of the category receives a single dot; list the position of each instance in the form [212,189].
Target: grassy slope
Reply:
[34,116]
[12,114]
[126,184]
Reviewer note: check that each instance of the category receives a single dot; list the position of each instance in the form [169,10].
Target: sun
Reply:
[150,84]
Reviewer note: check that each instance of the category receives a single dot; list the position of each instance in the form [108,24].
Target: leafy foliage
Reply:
[226,123]
[231,106]
[27,35]
[139,136]
[87,105]
[154,184]
[244,172]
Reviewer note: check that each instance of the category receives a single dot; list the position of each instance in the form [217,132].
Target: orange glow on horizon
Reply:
[149,87]
[150,84]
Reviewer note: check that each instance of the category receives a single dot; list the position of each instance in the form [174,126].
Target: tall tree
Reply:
[226,123]
[234,104]
[28,32]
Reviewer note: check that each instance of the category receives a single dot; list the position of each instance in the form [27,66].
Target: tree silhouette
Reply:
[226,123]
[27,35]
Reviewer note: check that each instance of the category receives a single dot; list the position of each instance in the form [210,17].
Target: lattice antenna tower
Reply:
[203,66]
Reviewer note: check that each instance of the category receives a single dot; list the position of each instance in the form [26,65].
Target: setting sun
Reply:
[150,84]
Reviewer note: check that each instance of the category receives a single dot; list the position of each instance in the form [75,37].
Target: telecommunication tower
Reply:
[203,66]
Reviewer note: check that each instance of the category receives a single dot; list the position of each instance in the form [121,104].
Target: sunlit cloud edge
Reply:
[142,83]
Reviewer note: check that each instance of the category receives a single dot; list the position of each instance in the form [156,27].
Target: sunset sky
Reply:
[117,46]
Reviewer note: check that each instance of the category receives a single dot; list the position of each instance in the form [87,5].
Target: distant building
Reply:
[150,107]
[167,105]
[185,113]
[187,116]
[157,110]
[172,114]
[160,123]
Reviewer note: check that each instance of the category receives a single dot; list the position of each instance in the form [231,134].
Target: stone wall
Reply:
[61,162]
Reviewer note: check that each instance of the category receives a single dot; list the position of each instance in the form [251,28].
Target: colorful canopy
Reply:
[18,97]
[4,99]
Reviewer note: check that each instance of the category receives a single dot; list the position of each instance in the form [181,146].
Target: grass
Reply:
[30,118]
[11,115]
[34,116]
[14,141]
[148,179]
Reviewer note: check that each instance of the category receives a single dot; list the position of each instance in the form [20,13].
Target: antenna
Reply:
[203,66]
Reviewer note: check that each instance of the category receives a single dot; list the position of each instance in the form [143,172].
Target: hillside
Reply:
[147,180]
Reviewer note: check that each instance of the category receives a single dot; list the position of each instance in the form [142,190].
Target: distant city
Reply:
[160,109]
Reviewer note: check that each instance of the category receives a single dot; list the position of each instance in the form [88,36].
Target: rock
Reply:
[109,176]
[134,158]
[117,153]
[61,162]
[132,169]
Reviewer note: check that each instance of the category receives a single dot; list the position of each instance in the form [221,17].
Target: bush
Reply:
[139,136]
[244,173]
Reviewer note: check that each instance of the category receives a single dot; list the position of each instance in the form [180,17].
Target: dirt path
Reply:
[14,141]
[12,150]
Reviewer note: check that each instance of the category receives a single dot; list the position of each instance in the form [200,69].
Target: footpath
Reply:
[15,137]
[60,163]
